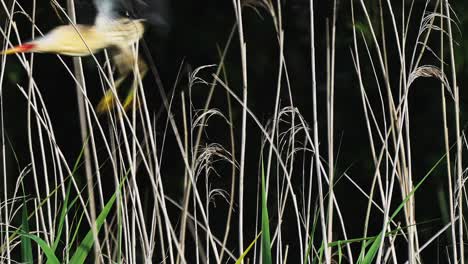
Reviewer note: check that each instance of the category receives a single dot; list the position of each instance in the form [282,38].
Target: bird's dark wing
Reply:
[154,12]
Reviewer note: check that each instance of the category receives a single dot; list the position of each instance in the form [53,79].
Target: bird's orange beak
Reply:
[19,49]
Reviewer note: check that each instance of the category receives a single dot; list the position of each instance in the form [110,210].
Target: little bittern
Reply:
[110,30]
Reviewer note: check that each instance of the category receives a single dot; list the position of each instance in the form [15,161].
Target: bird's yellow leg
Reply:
[107,102]
[128,103]
[123,61]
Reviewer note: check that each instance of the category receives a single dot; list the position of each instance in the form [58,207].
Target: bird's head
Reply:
[27,47]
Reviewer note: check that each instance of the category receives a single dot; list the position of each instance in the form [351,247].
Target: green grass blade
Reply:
[76,228]
[66,206]
[318,258]
[246,251]
[26,247]
[266,241]
[61,221]
[311,240]
[85,246]
[370,255]
[369,258]
[340,253]
[49,253]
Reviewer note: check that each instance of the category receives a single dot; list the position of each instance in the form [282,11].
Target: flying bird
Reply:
[119,24]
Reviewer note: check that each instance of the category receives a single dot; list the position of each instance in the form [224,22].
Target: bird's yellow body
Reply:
[84,40]
[110,30]
[79,40]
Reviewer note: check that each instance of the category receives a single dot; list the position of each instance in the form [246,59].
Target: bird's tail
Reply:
[27,47]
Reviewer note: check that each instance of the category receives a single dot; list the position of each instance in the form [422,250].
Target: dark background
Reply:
[196,29]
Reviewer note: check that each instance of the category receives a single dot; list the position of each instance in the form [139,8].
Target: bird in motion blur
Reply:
[119,24]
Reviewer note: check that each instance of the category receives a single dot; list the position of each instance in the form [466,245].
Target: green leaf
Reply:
[66,206]
[373,250]
[369,258]
[61,221]
[311,240]
[246,251]
[340,253]
[266,242]
[85,246]
[76,227]
[26,247]
[49,253]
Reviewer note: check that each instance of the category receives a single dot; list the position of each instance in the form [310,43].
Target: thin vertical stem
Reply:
[456,93]
[453,227]
[6,232]
[78,69]
[316,141]
[243,50]
[330,111]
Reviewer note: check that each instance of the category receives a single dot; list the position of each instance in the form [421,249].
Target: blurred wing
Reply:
[153,12]
[107,10]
